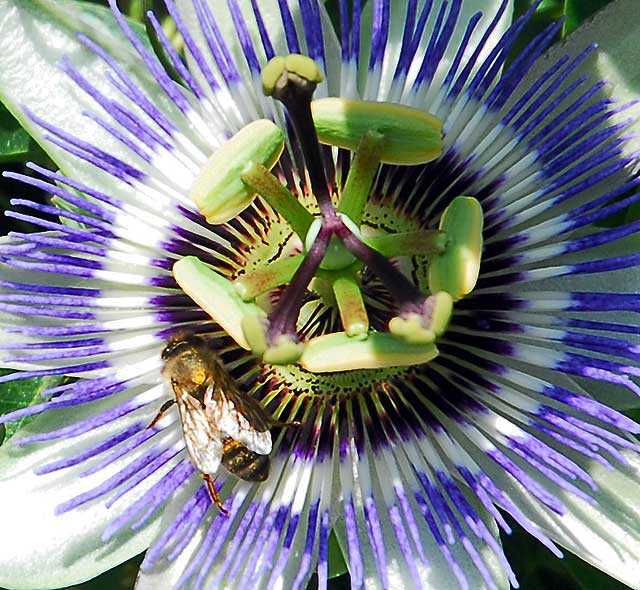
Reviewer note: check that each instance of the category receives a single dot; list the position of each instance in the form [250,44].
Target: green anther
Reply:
[277,70]
[254,328]
[261,181]
[456,270]
[411,136]
[425,328]
[218,190]
[351,305]
[339,352]
[267,277]
[426,242]
[215,295]
[337,256]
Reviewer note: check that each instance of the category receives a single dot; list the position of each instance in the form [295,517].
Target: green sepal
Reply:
[15,395]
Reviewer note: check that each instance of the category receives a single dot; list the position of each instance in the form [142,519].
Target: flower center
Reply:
[338,253]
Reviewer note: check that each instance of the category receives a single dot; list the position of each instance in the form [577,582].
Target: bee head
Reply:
[181,343]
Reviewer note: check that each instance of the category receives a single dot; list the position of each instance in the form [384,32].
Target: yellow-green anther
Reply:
[411,136]
[215,295]
[267,277]
[456,269]
[219,191]
[284,351]
[276,72]
[338,352]
[254,328]
[351,305]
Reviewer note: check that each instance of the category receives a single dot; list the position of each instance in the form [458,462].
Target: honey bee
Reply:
[221,424]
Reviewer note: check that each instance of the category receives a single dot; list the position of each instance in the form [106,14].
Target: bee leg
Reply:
[163,408]
[213,494]
[295,423]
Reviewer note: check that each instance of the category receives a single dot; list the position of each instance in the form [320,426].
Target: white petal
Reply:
[167,576]
[41,549]
[606,535]
[248,93]
[34,37]
[397,20]
[615,29]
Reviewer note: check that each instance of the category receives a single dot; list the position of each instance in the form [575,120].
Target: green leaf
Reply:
[16,395]
[337,564]
[15,143]
[577,11]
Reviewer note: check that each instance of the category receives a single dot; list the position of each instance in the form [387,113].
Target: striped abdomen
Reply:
[242,462]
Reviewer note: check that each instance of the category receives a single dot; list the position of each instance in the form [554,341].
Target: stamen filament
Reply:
[425,242]
[353,313]
[363,170]
[267,277]
[261,181]
[406,294]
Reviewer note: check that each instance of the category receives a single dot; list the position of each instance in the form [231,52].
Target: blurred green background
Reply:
[535,567]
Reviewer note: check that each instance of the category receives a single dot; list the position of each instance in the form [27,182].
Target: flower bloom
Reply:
[411,464]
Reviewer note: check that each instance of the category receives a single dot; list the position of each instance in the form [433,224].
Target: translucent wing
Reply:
[203,441]
[238,416]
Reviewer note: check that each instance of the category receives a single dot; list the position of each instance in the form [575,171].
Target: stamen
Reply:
[215,295]
[339,352]
[424,242]
[363,170]
[261,181]
[346,289]
[267,277]
[456,269]
[218,190]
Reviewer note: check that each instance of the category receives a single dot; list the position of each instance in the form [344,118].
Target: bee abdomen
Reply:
[242,462]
